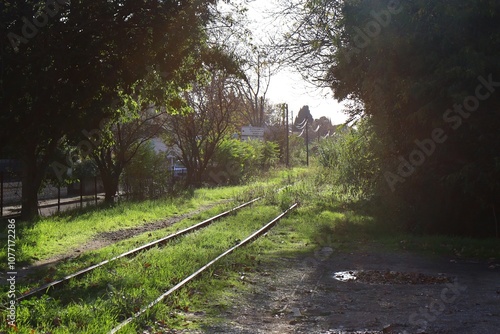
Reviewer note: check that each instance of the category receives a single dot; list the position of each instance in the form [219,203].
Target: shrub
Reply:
[236,160]
[351,162]
[147,175]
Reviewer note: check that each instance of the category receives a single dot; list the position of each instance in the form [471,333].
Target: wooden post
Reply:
[95,189]
[1,194]
[81,194]
[58,197]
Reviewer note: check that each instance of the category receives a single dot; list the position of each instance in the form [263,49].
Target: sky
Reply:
[288,86]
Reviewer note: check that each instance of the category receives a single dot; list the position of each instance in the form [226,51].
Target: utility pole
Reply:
[261,111]
[307,141]
[287,137]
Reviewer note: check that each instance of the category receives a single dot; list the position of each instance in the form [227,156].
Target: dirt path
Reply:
[392,293]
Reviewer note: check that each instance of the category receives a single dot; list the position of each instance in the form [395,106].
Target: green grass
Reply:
[56,235]
[100,300]
[65,268]
[52,236]
[107,295]
[323,220]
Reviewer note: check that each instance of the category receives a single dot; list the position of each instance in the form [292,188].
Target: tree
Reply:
[256,61]
[64,65]
[303,116]
[309,38]
[148,174]
[198,132]
[124,140]
[324,128]
[426,73]
[260,65]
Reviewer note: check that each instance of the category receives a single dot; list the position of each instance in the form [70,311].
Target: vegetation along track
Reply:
[186,280]
[57,283]
[109,295]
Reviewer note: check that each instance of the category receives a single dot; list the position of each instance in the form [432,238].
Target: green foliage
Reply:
[417,67]
[266,154]
[230,159]
[351,162]
[81,81]
[147,175]
[297,147]
[85,169]
[238,160]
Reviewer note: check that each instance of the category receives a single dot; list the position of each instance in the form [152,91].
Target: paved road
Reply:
[49,207]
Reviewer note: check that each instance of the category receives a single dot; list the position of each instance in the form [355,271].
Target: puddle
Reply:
[345,276]
[389,277]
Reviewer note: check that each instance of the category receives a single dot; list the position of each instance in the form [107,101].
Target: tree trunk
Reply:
[35,162]
[31,177]
[110,183]
[198,176]
[189,176]
[194,176]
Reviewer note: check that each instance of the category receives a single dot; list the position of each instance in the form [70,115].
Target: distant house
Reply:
[159,146]
[173,154]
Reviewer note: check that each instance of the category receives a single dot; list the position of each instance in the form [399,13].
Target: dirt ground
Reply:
[367,291]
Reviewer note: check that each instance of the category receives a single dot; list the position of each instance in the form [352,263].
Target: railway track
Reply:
[189,278]
[144,252]
[43,289]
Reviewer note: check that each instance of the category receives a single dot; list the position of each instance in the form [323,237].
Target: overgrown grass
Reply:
[99,301]
[324,219]
[106,296]
[66,267]
[58,234]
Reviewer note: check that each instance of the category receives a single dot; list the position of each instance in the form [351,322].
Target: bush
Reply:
[235,160]
[266,155]
[351,162]
[147,175]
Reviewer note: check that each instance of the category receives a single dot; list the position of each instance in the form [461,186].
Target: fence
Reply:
[90,191]
[52,198]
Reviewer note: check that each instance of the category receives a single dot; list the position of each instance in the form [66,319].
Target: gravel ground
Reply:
[384,292]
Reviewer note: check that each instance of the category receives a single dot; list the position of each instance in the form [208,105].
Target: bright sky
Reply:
[288,86]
